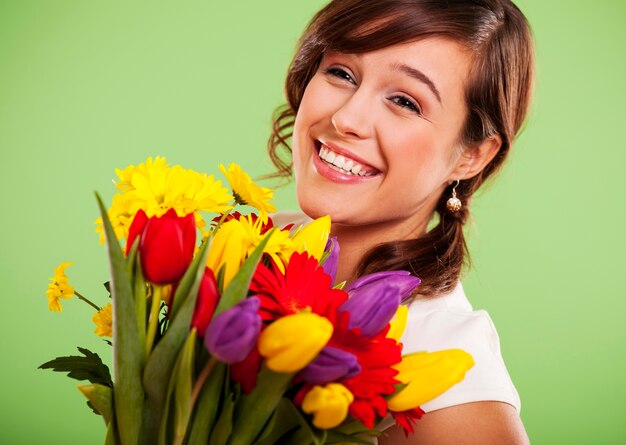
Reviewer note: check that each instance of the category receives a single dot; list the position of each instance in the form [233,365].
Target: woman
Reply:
[399,110]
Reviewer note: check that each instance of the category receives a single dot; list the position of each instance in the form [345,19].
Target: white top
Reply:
[449,322]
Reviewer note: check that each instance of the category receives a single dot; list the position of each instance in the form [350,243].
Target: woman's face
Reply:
[376,135]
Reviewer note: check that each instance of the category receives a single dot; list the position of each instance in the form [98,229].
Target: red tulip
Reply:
[208,296]
[139,223]
[166,247]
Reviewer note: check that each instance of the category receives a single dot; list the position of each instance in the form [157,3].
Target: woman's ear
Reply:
[474,159]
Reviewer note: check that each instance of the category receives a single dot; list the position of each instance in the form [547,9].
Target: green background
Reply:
[88,86]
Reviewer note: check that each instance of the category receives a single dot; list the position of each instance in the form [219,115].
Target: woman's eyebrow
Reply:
[417,74]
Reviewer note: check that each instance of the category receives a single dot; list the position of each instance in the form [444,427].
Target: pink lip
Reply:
[333,175]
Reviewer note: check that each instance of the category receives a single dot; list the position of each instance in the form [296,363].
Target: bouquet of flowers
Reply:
[242,337]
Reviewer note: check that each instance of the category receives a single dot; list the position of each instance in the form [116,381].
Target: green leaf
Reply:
[238,287]
[89,367]
[112,437]
[127,351]
[184,387]
[336,437]
[255,409]
[139,286]
[282,423]
[224,424]
[100,398]
[208,405]
[161,361]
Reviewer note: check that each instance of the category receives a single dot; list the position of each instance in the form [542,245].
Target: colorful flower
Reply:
[304,285]
[405,282]
[166,247]
[398,323]
[371,307]
[313,237]
[246,192]
[237,238]
[59,288]
[427,375]
[406,419]
[331,365]
[331,262]
[328,404]
[292,342]
[233,334]
[376,355]
[104,321]
[155,188]
[206,302]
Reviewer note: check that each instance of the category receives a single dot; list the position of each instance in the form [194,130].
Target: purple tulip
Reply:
[232,334]
[331,365]
[372,307]
[330,264]
[403,280]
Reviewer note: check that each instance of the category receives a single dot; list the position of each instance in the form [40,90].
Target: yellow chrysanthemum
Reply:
[155,187]
[59,288]
[104,321]
[237,238]
[246,192]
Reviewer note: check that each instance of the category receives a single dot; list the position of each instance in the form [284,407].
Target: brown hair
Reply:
[497,94]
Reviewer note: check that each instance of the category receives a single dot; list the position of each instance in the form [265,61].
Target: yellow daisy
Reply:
[104,321]
[155,187]
[59,288]
[246,192]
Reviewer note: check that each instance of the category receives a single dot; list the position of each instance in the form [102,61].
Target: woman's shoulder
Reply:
[449,322]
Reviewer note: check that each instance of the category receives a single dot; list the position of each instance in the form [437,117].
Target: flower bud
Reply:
[332,260]
[232,334]
[371,307]
[331,365]
[208,297]
[312,237]
[427,375]
[136,228]
[166,247]
[291,342]
[328,404]
[403,280]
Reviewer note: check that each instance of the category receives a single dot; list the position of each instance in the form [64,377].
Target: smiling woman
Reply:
[398,111]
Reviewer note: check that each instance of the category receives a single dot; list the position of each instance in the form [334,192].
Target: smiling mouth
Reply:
[343,163]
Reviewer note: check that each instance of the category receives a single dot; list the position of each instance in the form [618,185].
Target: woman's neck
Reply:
[356,241]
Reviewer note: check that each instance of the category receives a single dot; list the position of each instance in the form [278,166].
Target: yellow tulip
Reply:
[228,248]
[398,323]
[313,237]
[293,341]
[328,404]
[428,374]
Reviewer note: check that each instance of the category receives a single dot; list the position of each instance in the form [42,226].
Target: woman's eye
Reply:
[405,102]
[339,73]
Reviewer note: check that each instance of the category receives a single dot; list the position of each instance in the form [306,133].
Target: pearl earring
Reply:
[454,204]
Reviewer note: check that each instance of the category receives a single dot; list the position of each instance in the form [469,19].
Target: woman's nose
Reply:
[354,118]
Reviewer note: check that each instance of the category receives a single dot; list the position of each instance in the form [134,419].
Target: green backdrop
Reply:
[88,86]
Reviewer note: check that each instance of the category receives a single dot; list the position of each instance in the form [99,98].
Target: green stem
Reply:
[154,318]
[206,371]
[87,300]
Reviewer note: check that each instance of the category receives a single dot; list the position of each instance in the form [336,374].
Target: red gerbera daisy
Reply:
[303,285]
[376,355]
[406,419]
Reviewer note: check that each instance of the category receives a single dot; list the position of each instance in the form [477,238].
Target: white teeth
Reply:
[339,161]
